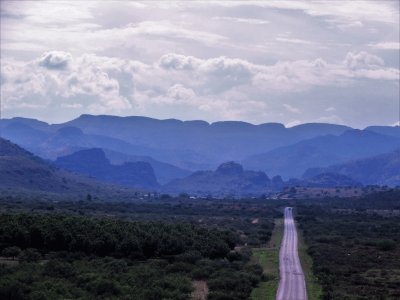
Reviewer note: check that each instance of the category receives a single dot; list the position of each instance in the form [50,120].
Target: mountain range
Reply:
[383,169]
[94,163]
[179,151]
[228,179]
[322,151]
[21,171]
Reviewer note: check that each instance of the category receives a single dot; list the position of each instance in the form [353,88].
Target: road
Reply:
[291,285]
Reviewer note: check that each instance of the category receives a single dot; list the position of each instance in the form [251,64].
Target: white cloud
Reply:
[41,82]
[294,41]
[293,123]
[362,60]
[292,109]
[252,21]
[332,119]
[55,60]
[71,105]
[343,12]
[220,87]
[330,109]
[386,45]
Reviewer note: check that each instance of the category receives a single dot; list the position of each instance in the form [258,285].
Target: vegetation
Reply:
[268,258]
[314,289]
[354,250]
[98,250]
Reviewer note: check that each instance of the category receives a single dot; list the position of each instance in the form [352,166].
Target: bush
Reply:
[30,255]
[11,252]
[386,245]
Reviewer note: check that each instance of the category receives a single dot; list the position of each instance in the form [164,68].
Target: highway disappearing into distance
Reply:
[292,285]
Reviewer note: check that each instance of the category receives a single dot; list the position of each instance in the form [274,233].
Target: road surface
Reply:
[291,285]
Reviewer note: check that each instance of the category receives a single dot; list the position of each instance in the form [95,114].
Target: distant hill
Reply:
[93,162]
[386,130]
[63,141]
[164,172]
[382,169]
[20,170]
[228,179]
[294,160]
[175,148]
[325,180]
[191,145]
[197,145]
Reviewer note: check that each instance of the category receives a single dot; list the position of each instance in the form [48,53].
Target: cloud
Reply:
[252,21]
[294,41]
[89,80]
[362,60]
[178,62]
[332,119]
[220,87]
[342,12]
[71,105]
[347,25]
[330,109]
[293,123]
[55,60]
[386,45]
[292,109]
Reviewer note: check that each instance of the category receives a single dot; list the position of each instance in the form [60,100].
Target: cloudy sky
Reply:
[272,61]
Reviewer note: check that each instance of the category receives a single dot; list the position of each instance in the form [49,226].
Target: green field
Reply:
[268,258]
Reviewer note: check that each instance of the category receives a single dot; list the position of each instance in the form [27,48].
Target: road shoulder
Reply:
[314,289]
[268,258]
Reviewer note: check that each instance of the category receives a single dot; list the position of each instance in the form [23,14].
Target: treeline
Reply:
[58,257]
[355,254]
[108,237]
[225,215]
[379,200]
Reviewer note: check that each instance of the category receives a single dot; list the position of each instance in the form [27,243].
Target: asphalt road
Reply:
[291,285]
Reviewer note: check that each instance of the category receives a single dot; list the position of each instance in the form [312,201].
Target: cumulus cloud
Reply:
[179,93]
[178,62]
[87,76]
[223,87]
[362,60]
[55,60]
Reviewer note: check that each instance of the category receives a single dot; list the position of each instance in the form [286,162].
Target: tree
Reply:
[30,255]
[11,252]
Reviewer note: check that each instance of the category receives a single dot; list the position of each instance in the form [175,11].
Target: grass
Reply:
[314,290]
[268,258]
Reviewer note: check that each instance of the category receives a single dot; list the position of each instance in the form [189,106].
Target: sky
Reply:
[271,61]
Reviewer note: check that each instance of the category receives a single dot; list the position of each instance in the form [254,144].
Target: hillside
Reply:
[67,140]
[20,170]
[164,172]
[93,162]
[192,145]
[176,148]
[325,180]
[294,160]
[382,169]
[228,179]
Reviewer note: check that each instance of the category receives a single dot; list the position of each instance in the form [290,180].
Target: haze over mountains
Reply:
[383,169]
[94,163]
[170,150]
[21,171]
[228,179]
